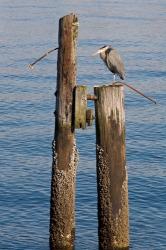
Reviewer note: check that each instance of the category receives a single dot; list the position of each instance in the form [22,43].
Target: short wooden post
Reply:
[62,221]
[112,178]
[80,106]
[90,116]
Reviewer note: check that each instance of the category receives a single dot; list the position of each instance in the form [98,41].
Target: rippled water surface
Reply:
[29,28]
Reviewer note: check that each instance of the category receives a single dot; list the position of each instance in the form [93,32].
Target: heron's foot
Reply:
[114,83]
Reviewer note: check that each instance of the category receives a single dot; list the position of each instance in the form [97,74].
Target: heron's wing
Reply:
[115,63]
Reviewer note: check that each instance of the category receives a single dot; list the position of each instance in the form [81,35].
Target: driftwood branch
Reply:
[40,58]
[139,92]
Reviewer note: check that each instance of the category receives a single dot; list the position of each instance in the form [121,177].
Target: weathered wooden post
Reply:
[62,221]
[112,179]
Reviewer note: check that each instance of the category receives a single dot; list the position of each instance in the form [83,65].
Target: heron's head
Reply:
[102,49]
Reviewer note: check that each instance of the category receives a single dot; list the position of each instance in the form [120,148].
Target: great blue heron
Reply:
[113,61]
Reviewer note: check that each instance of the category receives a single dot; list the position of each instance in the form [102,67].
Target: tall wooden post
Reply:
[62,222]
[112,179]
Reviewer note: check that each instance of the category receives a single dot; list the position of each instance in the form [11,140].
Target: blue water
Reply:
[28,29]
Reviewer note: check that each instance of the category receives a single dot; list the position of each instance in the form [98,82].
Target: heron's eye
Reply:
[103,47]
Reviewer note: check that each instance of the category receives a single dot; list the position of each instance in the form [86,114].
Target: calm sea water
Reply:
[28,29]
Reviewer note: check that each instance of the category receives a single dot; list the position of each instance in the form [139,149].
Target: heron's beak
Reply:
[98,52]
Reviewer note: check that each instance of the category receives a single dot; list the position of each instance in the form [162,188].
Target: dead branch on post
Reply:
[139,92]
[40,58]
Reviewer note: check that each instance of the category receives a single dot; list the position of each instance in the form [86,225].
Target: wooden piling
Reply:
[112,181]
[62,222]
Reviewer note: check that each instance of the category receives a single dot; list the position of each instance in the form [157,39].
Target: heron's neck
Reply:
[103,55]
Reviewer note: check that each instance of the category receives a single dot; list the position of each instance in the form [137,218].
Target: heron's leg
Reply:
[114,82]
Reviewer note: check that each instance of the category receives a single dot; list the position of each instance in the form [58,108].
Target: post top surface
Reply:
[69,15]
[115,85]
